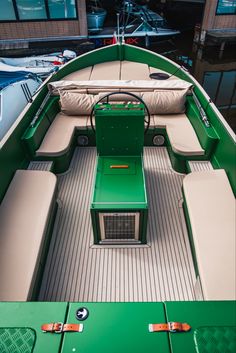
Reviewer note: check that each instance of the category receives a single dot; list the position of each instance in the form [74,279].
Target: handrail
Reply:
[201,111]
[39,110]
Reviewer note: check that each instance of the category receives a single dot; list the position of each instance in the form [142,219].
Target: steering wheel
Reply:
[146,120]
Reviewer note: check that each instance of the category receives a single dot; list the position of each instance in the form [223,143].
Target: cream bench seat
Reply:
[24,218]
[181,134]
[210,206]
[58,138]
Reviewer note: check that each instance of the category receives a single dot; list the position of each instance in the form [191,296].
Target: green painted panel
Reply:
[119,190]
[119,129]
[117,328]
[31,316]
[198,315]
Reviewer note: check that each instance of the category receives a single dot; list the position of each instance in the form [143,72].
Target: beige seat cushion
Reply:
[131,70]
[73,103]
[181,133]
[161,102]
[154,70]
[80,75]
[165,102]
[58,137]
[109,70]
[211,208]
[24,216]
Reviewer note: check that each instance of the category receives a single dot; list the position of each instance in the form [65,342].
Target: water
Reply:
[214,70]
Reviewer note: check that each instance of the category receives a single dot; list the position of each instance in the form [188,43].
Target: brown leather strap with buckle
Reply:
[170,327]
[59,327]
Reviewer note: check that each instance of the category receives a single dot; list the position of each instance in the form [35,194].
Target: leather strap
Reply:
[170,327]
[59,327]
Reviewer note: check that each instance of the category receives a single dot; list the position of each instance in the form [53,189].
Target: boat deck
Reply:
[76,270]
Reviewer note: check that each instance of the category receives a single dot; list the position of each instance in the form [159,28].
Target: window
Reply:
[7,11]
[62,8]
[226,7]
[31,10]
[26,10]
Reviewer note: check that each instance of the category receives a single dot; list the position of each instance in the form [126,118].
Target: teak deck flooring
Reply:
[78,271]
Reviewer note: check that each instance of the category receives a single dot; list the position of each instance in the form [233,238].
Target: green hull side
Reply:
[14,155]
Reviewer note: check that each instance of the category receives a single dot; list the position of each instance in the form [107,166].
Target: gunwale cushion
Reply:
[24,216]
[211,208]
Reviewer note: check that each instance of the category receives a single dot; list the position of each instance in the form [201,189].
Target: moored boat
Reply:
[137,23]
[114,185]
[22,85]
[42,65]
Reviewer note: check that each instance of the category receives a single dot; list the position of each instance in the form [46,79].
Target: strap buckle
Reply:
[60,327]
[172,326]
[54,327]
[169,327]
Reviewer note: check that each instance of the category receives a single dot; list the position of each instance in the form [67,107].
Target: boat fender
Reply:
[69,54]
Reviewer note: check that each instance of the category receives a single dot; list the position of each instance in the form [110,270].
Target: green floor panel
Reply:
[17,340]
[212,324]
[215,339]
[117,328]
[20,325]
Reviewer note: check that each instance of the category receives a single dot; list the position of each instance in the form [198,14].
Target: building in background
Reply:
[218,24]
[23,19]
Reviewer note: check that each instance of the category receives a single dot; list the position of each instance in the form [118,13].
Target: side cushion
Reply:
[181,134]
[24,216]
[211,208]
[58,137]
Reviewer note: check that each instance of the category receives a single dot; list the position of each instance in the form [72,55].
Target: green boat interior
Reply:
[118,195]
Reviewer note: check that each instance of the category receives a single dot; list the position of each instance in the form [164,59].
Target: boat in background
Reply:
[18,87]
[42,65]
[137,24]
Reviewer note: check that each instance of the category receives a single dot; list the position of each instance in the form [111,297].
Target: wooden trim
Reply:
[81,8]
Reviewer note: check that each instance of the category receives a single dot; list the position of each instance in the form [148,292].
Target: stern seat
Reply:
[24,220]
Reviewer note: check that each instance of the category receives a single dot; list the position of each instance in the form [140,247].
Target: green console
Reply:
[119,204]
